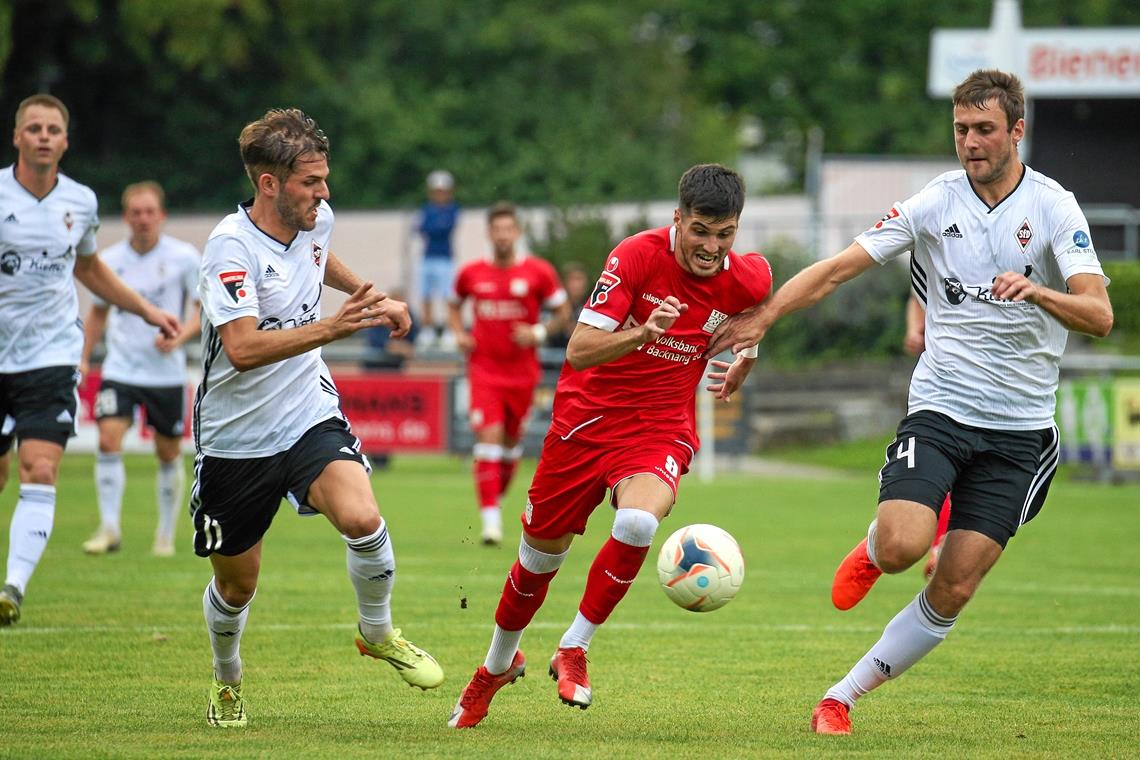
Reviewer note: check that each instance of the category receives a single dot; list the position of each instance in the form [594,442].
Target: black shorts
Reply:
[164,405]
[997,479]
[42,404]
[234,500]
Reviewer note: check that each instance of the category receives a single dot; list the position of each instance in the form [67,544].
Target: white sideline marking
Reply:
[1064,630]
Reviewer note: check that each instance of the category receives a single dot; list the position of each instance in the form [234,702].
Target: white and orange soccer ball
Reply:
[700,567]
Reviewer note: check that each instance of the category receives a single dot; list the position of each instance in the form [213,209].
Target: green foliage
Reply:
[111,658]
[863,319]
[1125,295]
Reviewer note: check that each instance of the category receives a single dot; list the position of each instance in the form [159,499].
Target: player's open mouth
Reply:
[707,258]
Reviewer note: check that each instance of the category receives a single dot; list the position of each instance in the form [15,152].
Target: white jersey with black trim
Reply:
[988,363]
[39,240]
[166,276]
[246,273]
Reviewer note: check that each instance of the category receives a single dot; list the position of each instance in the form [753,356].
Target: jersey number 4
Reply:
[906,451]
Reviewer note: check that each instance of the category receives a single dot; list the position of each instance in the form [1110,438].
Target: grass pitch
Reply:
[111,658]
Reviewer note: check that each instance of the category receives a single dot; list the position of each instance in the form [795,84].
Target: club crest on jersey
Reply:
[519,287]
[1024,234]
[68,221]
[714,321]
[607,282]
[892,214]
[318,253]
[234,283]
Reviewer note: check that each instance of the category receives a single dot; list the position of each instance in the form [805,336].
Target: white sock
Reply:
[871,543]
[225,624]
[501,653]
[110,482]
[909,637]
[169,491]
[492,519]
[372,570]
[29,532]
[579,634]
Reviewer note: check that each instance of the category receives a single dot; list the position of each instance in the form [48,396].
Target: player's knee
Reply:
[236,592]
[895,554]
[109,443]
[42,471]
[360,523]
[949,597]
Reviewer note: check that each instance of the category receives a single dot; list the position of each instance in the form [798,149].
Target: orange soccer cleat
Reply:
[475,700]
[830,717]
[568,668]
[854,578]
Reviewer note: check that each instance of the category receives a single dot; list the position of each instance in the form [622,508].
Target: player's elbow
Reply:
[1104,323]
[576,358]
[241,360]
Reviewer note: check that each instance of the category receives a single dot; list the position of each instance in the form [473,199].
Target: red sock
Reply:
[610,577]
[943,521]
[507,469]
[487,483]
[523,594]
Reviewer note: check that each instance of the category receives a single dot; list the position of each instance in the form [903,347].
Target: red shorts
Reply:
[572,479]
[491,406]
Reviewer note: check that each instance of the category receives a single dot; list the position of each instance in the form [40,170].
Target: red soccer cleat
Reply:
[568,668]
[830,717]
[476,697]
[854,578]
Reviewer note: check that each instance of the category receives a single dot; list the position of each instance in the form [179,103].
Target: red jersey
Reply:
[651,392]
[502,298]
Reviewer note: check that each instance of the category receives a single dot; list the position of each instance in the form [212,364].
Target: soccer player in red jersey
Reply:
[509,292]
[624,421]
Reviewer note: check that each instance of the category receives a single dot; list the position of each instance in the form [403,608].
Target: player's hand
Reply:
[727,378]
[166,322]
[395,316]
[914,342]
[465,341]
[164,344]
[663,317]
[523,335]
[1011,286]
[738,332]
[360,311]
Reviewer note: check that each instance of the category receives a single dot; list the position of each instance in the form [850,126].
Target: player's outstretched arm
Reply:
[249,348]
[590,346]
[97,277]
[810,286]
[1085,308]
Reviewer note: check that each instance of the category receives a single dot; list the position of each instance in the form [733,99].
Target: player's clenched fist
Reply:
[663,317]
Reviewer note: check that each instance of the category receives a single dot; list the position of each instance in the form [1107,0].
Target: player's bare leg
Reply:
[898,537]
[110,483]
[923,624]
[343,494]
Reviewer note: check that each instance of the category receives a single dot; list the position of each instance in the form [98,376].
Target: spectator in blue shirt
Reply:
[438,218]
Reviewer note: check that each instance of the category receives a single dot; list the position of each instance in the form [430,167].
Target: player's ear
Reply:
[676,216]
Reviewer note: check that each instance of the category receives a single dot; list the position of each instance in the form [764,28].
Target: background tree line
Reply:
[582,101]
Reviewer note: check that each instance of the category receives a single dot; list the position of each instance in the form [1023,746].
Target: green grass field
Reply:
[111,658]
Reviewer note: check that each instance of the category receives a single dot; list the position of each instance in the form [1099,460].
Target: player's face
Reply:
[504,232]
[703,243]
[301,194]
[144,215]
[986,146]
[40,137]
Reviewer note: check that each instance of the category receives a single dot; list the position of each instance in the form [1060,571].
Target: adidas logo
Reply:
[883,667]
[951,232]
[64,417]
[12,218]
[270,272]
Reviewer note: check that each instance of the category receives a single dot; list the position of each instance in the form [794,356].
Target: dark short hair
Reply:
[711,190]
[43,99]
[985,85]
[502,208]
[273,143]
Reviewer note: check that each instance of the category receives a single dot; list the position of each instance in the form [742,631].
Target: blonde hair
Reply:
[42,99]
[146,186]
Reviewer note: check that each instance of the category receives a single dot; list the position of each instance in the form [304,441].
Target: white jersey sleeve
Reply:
[227,284]
[1072,244]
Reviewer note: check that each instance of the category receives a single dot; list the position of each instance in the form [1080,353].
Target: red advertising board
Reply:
[390,411]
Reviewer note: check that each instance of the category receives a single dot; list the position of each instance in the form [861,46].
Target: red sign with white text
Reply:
[395,412]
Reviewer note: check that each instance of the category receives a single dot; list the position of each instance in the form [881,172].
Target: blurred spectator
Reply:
[386,352]
[436,224]
[577,285]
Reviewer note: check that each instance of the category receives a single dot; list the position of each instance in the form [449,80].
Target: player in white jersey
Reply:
[47,241]
[1005,265]
[142,368]
[267,419]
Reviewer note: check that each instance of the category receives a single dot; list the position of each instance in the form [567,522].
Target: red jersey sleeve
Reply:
[621,280]
[462,286]
[754,273]
[549,284]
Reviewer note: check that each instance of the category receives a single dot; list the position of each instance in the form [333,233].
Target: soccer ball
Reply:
[700,568]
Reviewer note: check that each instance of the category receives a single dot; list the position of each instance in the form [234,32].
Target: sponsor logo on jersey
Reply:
[318,253]
[519,287]
[607,282]
[955,293]
[892,214]
[234,283]
[10,262]
[714,321]
[270,272]
[952,232]
[68,221]
[1024,234]
[11,218]
[1081,239]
